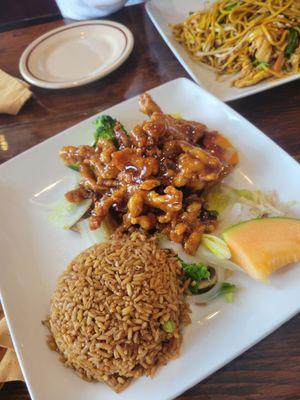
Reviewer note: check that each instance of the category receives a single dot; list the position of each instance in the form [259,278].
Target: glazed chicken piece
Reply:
[261,47]
[261,50]
[181,129]
[121,136]
[251,78]
[147,105]
[219,146]
[153,177]
[178,128]
[195,167]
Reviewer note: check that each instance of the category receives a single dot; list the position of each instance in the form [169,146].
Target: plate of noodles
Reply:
[232,48]
[113,262]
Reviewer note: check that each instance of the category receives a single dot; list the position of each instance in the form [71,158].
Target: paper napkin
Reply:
[13,93]
[9,366]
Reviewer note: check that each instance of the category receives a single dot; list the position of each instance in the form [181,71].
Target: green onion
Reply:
[169,326]
[292,42]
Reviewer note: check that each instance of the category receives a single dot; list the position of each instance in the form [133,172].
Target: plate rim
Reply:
[27,74]
[277,82]
[18,345]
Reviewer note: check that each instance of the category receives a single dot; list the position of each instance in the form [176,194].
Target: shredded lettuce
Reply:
[202,255]
[237,205]
[65,214]
[218,199]
[176,115]
[244,193]
[94,236]
[260,203]
[105,129]
[100,235]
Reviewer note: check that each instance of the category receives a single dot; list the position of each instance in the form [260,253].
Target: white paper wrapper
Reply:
[9,366]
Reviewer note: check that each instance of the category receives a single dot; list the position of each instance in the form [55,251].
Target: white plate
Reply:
[34,253]
[166,12]
[76,54]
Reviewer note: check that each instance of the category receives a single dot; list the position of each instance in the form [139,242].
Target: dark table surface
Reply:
[271,369]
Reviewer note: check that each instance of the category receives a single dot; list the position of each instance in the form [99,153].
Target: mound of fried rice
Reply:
[110,306]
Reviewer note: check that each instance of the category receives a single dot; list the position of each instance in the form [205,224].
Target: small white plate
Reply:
[166,12]
[76,54]
[34,253]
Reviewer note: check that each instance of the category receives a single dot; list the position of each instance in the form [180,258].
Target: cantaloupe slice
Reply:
[261,246]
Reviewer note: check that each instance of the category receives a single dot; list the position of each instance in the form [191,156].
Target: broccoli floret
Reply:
[197,272]
[105,129]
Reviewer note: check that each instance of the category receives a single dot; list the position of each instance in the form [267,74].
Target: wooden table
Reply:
[270,370]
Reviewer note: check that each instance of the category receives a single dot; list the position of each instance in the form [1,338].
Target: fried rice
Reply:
[111,306]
